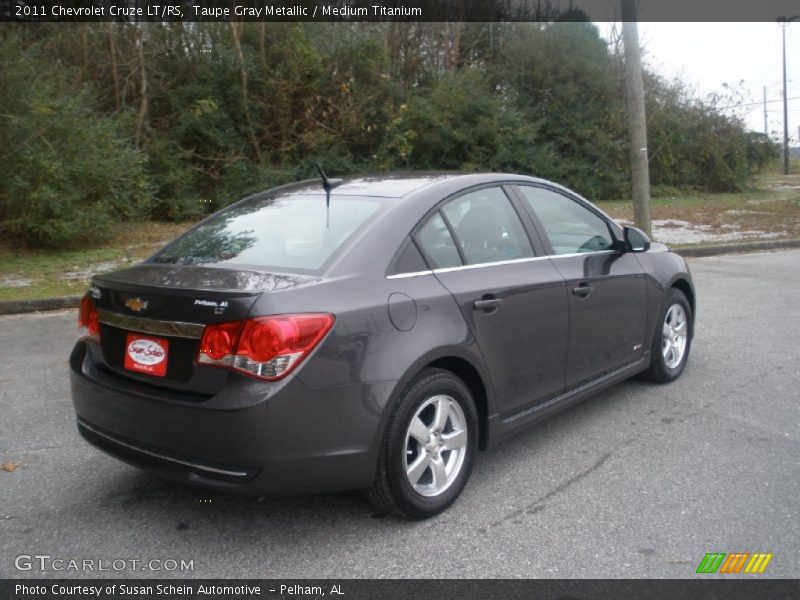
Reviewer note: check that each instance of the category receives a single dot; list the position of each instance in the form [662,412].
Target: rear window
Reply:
[294,232]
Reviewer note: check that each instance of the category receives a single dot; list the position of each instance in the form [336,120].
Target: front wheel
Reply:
[428,449]
[671,340]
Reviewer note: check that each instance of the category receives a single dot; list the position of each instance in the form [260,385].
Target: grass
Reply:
[66,273]
[773,206]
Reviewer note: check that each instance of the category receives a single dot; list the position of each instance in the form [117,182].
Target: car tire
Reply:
[672,339]
[428,448]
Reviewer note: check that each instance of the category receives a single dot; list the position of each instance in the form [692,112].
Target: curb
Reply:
[734,248]
[11,307]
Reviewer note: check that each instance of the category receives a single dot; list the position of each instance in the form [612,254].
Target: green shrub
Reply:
[67,172]
[537,98]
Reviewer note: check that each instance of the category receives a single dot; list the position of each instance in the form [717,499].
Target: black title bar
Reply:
[391,10]
[462,589]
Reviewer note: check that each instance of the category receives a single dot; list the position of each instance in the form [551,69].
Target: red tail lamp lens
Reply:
[88,321]
[265,347]
[267,338]
[264,340]
[219,341]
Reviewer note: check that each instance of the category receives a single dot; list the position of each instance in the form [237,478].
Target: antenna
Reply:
[327,185]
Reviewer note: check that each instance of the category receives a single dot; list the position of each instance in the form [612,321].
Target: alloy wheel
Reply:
[675,334]
[435,445]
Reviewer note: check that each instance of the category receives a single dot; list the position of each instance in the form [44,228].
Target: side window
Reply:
[409,260]
[571,228]
[487,227]
[436,242]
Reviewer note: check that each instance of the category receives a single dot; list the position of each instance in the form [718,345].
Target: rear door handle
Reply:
[487,304]
[583,290]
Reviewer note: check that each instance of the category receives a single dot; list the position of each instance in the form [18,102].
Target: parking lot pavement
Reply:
[640,481]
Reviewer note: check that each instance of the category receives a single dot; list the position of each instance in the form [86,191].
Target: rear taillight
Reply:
[219,344]
[264,347]
[89,325]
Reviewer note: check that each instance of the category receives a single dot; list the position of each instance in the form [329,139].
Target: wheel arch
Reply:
[463,365]
[467,373]
[684,286]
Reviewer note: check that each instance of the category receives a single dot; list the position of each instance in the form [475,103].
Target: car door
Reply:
[514,301]
[606,287]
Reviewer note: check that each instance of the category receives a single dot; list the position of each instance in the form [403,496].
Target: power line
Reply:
[760,102]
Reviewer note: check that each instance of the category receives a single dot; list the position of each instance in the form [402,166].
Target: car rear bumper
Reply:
[251,438]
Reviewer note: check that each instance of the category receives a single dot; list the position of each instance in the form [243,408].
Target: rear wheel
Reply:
[671,340]
[428,449]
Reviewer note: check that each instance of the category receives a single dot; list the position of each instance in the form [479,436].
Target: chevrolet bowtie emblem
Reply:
[136,304]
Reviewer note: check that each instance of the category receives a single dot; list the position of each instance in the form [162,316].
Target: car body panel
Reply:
[330,448]
[524,340]
[320,428]
[607,327]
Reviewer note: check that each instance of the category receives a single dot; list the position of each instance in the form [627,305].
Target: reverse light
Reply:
[88,323]
[264,347]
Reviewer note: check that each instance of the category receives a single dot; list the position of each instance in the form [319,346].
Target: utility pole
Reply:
[637,125]
[766,127]
[784,23]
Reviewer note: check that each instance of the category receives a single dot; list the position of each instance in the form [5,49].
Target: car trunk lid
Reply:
[165,308]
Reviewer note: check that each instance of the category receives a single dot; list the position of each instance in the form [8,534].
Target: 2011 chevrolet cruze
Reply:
[371,333]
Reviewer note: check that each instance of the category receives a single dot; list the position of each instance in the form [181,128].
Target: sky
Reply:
[708,55]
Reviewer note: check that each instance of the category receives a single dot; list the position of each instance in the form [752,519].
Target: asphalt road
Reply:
[640,481]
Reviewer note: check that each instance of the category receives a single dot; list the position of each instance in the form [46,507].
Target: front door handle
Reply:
[582,290]
[487,304]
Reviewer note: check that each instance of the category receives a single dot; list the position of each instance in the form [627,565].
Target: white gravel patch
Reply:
[676,231]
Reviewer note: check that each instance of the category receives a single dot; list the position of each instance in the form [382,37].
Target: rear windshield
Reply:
[291,233]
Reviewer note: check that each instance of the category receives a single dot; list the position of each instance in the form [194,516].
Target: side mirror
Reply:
[636,240]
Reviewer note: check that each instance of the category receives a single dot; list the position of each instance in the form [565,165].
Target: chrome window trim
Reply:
[140,324]
[407,275]
[573,254]
[490,264]
[497,263]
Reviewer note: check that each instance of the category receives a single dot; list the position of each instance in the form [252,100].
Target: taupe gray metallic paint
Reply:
[320,428]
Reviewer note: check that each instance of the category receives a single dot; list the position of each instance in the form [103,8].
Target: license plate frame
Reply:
[146,354]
